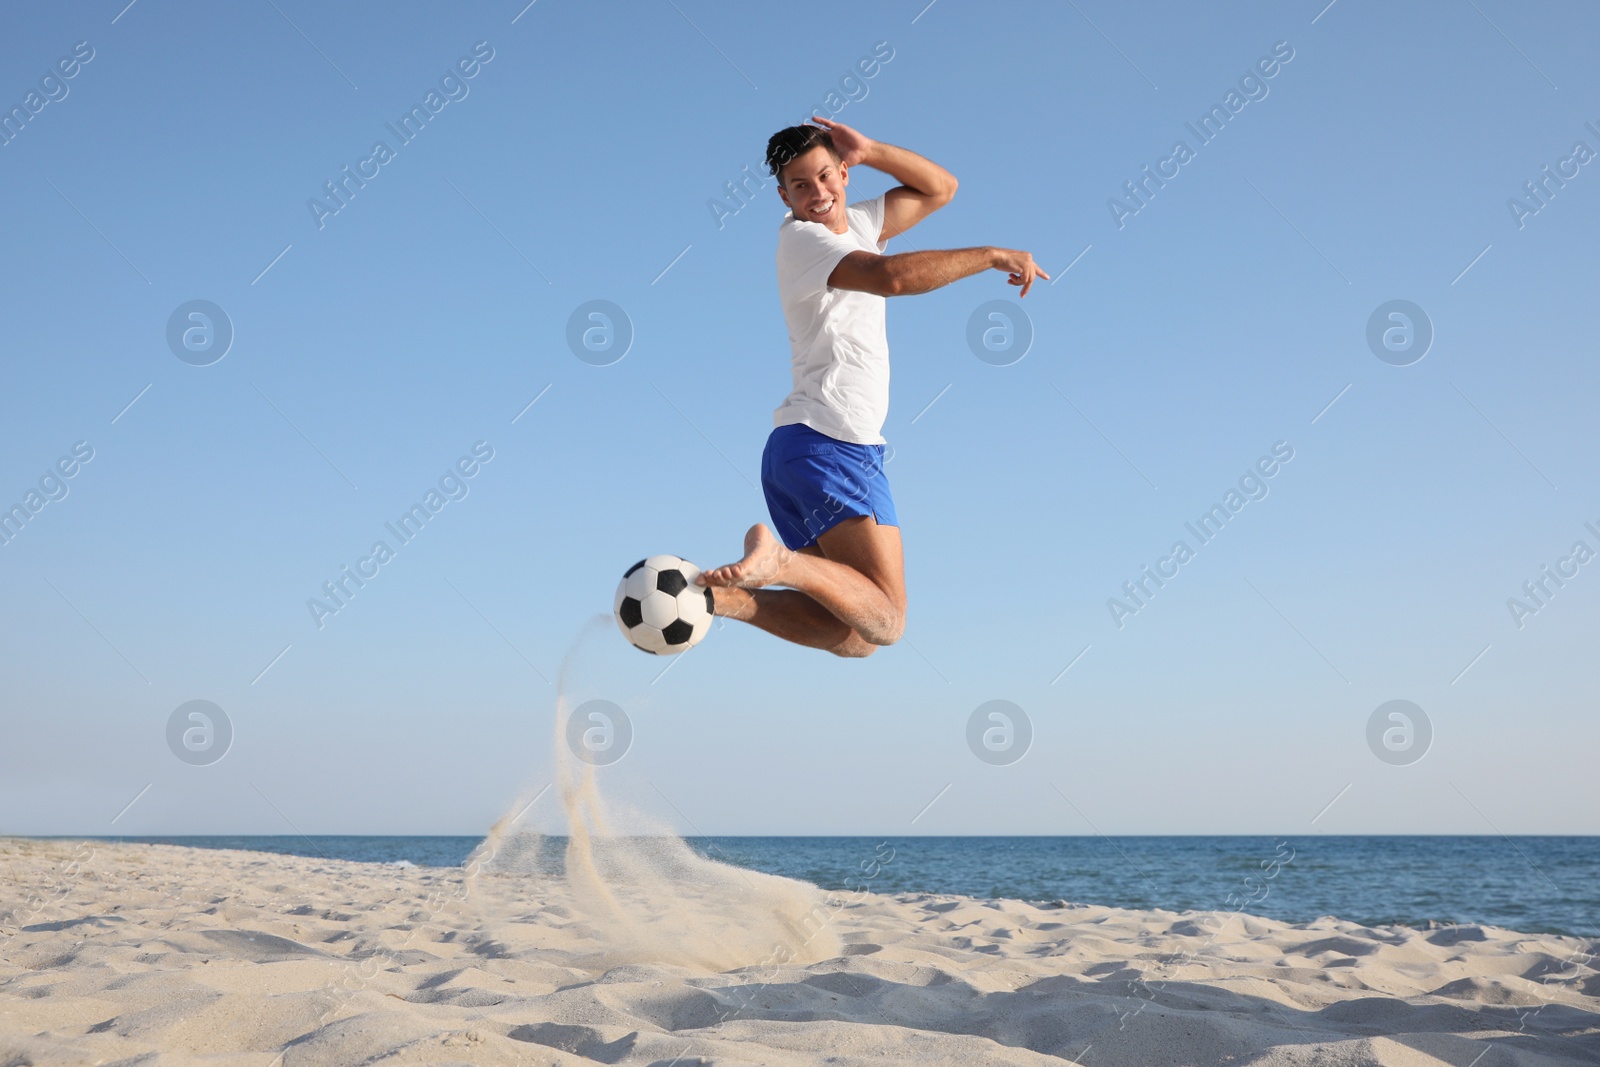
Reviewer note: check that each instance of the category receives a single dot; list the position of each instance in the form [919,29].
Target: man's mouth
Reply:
[824,209]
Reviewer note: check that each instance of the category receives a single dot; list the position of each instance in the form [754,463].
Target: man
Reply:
[822,470]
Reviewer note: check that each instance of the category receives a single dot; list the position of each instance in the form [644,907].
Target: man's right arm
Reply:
[909,273]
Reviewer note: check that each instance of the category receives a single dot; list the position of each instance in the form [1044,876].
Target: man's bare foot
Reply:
[764,559]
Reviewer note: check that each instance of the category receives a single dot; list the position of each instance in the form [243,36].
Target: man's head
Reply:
[811,176]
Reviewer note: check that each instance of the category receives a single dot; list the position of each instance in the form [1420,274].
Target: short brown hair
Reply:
[792,142]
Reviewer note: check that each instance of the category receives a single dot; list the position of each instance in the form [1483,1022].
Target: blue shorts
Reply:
[813,481]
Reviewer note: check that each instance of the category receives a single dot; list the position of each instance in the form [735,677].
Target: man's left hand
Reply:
[852,146]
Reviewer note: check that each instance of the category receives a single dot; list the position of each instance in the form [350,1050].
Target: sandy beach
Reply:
[124,953]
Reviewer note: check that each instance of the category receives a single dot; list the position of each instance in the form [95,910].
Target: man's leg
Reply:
[793,616]
[847,598]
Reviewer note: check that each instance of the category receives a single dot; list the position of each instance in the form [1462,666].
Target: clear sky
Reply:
[1186,335]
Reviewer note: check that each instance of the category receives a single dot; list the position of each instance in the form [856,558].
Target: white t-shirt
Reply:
[841,351]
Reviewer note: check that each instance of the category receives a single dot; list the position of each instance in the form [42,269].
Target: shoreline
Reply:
[1318,885]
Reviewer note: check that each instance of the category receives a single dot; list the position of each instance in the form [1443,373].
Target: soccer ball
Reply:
[660,609]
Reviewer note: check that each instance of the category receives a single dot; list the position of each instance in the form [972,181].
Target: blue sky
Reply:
[373,351]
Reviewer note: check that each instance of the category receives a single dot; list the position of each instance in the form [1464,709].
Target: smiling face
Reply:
[813,187]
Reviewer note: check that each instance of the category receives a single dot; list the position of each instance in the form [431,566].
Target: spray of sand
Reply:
[639,892]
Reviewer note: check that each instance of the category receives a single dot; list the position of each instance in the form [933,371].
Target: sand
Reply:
[124,953]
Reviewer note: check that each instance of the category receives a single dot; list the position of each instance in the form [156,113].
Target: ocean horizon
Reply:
[1529,883]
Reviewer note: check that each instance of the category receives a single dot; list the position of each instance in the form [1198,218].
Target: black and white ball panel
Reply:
[659,608]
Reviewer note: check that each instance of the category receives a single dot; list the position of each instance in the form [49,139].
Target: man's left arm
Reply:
[924,187]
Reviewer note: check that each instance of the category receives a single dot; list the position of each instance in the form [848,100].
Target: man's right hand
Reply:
[1020,266]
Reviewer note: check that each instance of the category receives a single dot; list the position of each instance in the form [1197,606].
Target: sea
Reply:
[1542,884]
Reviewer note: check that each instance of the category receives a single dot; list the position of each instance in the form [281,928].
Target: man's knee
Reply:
[854,647]
[890,631]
